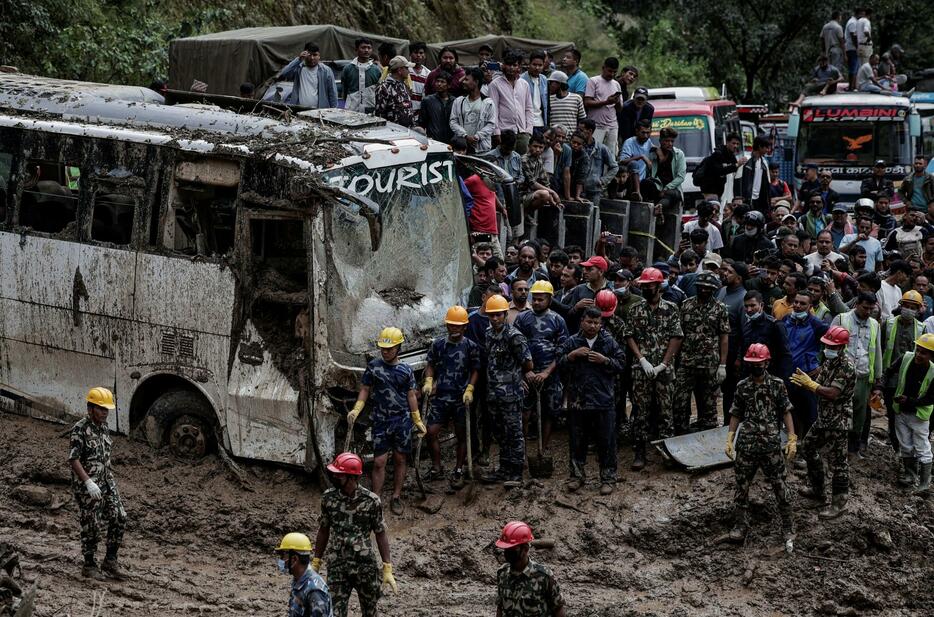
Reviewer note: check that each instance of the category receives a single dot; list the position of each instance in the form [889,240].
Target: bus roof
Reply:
[137,114]
[670,107]
[684,93]
[856,99]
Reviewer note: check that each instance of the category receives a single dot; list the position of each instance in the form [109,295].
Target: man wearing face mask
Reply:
[758,327]
[349,513]
[309,595]
[804,332]
[898,336]
[761,401]
[524,587]
[865,352]
[706,328]
[616,326]
[653,334]
[752,239]
[834,388]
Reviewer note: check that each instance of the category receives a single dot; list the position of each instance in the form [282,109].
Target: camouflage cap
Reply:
[708,279]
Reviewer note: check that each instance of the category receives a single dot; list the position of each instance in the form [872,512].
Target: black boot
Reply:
[638,459]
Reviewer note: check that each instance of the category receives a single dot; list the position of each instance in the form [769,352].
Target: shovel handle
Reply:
[538,414]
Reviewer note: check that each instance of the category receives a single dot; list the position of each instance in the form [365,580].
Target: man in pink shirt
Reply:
[513,101]
[602,101]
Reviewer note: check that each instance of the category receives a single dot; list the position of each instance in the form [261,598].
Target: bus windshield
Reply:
[854,143]
[693,134]
[420,266]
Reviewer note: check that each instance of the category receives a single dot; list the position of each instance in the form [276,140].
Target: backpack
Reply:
[700,172]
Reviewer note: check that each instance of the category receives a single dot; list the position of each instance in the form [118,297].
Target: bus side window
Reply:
[113,218]
[6,170]
[49,201]
[205,219]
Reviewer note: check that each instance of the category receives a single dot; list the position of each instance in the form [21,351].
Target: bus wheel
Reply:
[188,437]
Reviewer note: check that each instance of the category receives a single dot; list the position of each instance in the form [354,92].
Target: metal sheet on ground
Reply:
[701,450]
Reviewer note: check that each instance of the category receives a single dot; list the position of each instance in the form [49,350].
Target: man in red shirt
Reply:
[480,202]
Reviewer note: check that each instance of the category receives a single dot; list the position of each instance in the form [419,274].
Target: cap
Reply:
[624,274]
[640,93]
[879,163]
[811,166]
[789,216]
[596,262]
[783,203]
[400,61]
[839,208]
[663,266]
[712,258]
[558,76]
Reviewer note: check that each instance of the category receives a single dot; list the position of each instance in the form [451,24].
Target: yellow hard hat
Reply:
[542,287]
[913,296]
[456,316]
[102,397]
[926,340]
[297,542]
[496,304]
[390,337]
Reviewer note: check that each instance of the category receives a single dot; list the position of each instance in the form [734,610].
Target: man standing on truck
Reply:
[349,513]
[359,78]
[312,82]
[393,385]
[393,102]
[94,487]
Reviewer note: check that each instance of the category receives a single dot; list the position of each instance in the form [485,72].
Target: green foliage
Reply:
[662,55]
[567,20]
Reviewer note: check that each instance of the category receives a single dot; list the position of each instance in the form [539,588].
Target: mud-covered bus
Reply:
[224,274]
[847,133]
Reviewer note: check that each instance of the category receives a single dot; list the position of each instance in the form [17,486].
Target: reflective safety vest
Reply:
[891,330]
[923,413]
[821,311]
[848,321]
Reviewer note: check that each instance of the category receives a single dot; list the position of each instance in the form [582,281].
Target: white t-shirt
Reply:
[889,297]
[864,31]
[864,75]
[714,239]
[852,27]
[929,325]
[538,119]
[815,259]
[308,92]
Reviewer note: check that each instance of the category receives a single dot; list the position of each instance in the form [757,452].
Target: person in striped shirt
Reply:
[564,108]
[418,74]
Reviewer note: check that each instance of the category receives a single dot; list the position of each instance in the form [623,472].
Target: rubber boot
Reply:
[836,508]
[813,492]
[924,486]
[111,568]
[638,459]
[909,475]
[91,571]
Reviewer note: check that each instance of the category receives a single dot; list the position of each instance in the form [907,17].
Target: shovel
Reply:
[470,495]
[540,466]
[418,450]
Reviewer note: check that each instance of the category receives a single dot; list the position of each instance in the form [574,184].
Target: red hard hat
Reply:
[757,352]
[514,534]
[651,275]
[606,302]
[836,335]
[347,462]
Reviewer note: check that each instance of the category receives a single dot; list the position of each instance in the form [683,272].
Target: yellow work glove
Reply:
[417,421]
[729,445]
[428,385]
[801,379]
[316,564]
[388,578]
[791,447]
[468,394]
[357,408]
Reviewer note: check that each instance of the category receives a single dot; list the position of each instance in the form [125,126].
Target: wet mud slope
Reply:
[199,543]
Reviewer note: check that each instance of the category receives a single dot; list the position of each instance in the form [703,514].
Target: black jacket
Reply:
[743,247]
[773,335]
[435,117]
[626,117]
[762,202]
[715,168]
[873,187]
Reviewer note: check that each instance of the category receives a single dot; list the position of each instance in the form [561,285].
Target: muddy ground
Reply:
[198,543]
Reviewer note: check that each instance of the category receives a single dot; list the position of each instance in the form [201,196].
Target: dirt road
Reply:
[198,543]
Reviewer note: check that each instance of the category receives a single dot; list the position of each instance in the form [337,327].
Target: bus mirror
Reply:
[914,124]
[793,121]
[370,210]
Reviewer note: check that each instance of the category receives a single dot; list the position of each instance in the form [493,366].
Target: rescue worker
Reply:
[508,359]
[706,327]
[912,404]
[653,333]
[477,325]
[524,588]
[760,401]
[455,361]
[590,360]
[395,412]
[349,513]
[94,487]
[834,387]
[545,331]
[309,595]
[616,326]
[899,334]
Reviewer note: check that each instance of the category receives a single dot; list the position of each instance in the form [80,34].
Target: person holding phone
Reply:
[602,99]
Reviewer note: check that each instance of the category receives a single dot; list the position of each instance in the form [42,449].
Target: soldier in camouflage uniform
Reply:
[508,358]
[706,326]
[455,361]
[760,401]
[349,513]
[616,327]
[94,487]
[545,331]
[524,588]
[834,388]
[653,333]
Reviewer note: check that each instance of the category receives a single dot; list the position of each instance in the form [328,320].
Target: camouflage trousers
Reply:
[91,514]
[701,382]
[772,463]
[507,424]
[345,575]
[835,440]
[649,395]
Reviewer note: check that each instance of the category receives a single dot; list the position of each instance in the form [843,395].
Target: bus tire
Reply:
[183,420]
